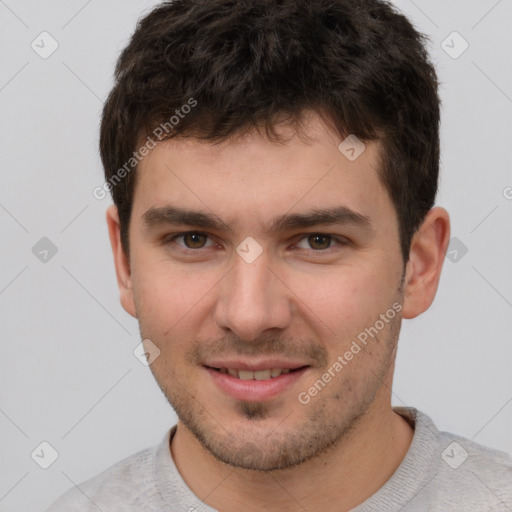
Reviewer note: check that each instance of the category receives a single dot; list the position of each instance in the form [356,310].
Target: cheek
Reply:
[342,302]
[164,295]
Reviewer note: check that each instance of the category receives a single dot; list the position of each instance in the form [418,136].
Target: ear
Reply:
[121,262]
[426,258]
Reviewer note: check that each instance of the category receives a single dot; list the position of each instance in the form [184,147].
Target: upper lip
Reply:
[255,366]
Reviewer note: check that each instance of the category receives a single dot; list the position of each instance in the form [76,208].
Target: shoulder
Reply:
[475,461]
[471,476]
[124,483]
[445,471]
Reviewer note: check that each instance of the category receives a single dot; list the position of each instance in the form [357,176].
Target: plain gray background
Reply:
[68,373]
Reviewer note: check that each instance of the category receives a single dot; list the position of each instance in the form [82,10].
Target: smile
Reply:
[254,385]
[270,373]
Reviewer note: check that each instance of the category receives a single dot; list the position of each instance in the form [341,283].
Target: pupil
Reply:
[315,238]
[193,237]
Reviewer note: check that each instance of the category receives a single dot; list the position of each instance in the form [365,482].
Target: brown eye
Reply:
[319,242]
[188,242]
[194,240]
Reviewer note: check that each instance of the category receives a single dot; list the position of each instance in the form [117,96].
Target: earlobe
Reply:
[121,262]
[426,258]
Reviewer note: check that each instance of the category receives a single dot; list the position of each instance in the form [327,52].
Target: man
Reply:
[274,168]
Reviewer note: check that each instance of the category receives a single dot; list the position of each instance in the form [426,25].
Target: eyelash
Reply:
[342,241]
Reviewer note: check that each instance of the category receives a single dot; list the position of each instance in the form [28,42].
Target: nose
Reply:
[253,299]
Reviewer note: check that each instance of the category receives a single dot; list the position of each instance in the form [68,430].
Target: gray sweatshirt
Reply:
[441,472]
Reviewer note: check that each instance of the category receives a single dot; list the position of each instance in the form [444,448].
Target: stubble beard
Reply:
[332,418]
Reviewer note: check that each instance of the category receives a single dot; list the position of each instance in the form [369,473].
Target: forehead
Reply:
[252,179]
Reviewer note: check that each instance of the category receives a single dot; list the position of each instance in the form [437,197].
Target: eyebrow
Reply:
[180,216]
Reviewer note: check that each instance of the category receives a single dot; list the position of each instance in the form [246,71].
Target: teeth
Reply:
[262,375]
[245,375]
[259,375]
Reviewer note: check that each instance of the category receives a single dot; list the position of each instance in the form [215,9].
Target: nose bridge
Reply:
[251,299]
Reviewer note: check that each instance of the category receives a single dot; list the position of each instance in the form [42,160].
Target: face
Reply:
[258,269]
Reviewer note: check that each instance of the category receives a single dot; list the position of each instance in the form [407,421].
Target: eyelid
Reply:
[171,238]
[341,240]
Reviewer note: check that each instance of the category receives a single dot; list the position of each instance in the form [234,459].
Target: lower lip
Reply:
[254,390]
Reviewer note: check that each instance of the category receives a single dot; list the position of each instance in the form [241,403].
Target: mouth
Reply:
[267,374]
[255,382]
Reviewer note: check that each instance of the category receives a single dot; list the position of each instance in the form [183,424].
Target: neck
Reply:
[340,479]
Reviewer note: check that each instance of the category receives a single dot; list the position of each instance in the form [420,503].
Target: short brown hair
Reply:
[360,64]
